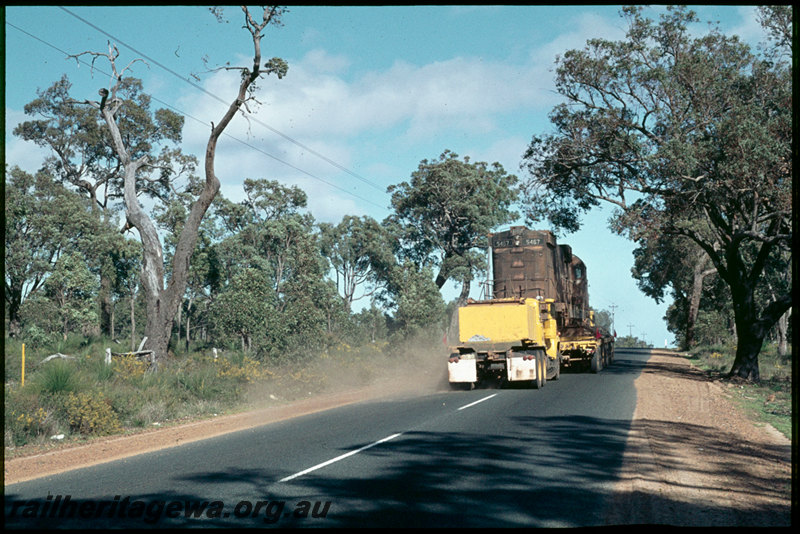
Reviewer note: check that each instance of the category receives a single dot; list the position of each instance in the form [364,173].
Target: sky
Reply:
[370,93]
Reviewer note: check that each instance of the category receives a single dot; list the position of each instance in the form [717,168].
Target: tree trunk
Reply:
[14,299]
[452,331]
[133,321]
[783,333]
[178,322]
[745,365]
[694,300]
[160,318]
[162,303]
[188,318]
[441,278]
[751,328]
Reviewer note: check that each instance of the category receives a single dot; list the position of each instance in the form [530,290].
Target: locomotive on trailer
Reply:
[536,318]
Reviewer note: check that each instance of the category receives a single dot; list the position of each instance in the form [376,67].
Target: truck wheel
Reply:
[541,371]
[543,364]
[597,363]
[557,373]
[537,382]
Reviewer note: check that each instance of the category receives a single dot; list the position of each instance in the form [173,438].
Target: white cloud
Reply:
[749,30]
[507,151]
[310,104]
[26,155]
[387,111]
[587,26]
[321,61]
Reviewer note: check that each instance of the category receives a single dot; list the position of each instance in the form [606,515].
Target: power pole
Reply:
[613,311]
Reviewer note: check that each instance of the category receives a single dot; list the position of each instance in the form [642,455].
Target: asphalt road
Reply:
[496,457]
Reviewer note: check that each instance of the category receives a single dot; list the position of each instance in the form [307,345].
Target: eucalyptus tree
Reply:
[416,301]
[72,288]
[270,238]
[665,262]
[81,155]
[262,230]
[42,220]
[164,297]
[690,133]
[443,215]
[358,249]
[245,309]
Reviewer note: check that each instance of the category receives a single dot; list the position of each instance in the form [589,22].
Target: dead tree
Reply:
[162,300]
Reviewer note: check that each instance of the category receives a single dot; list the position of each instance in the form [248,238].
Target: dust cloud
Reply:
[416,367]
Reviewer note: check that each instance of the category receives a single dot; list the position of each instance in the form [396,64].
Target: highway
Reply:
[501,457]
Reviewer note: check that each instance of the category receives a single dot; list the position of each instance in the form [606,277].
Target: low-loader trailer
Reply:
[536,320]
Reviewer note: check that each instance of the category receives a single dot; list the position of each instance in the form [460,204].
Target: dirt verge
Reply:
[694,459]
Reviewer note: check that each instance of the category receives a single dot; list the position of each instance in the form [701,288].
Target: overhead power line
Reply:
[212,95]
[66,54]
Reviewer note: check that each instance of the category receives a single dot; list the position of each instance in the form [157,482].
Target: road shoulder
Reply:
[694,459]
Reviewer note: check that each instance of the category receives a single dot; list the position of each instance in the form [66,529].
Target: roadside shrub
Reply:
[31,423]
[97,368]
[36,337]
[247,370]
[22,427]
[129,367]
[25,417]
[201,382]
[57,377]
[91,413]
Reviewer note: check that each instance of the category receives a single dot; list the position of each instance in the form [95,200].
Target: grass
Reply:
[84,397]
[769,401]
[57,377]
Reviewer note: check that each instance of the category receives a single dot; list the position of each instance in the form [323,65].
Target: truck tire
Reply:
[557,372]
[541,370]
[537,382]
[543,361]
[597,362]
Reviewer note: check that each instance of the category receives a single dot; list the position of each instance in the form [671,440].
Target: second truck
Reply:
[536,319]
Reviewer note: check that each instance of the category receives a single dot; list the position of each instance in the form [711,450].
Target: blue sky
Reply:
[370,92]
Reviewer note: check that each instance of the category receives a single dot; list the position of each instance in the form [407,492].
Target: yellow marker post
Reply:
[23,364]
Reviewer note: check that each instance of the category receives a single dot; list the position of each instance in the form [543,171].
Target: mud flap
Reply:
[518,368]
[462,370]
